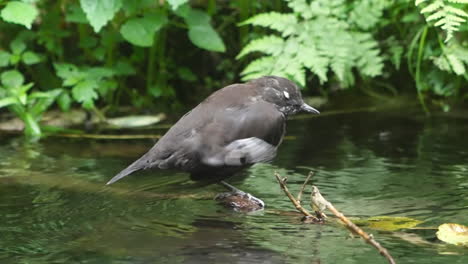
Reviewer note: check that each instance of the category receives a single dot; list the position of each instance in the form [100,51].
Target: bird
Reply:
[235,127]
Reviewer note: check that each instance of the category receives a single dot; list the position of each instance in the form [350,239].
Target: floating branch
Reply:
[319,204]
[297,203]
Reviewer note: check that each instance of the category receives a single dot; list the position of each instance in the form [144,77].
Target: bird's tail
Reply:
[127,171]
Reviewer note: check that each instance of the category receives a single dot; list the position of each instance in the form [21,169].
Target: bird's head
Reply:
[283,93]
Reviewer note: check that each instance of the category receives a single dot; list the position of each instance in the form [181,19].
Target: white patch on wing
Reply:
[243,152]
[286,94]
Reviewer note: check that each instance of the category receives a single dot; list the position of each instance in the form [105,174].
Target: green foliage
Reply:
[140,31]
[99,12]
[86,83]
[19,13]
[27,105]
[17,95]
[201,33]
[445,14]
[154,55]
[319,36]
[111,49]
[176,3]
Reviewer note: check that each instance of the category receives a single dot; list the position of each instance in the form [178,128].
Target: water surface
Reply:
[56,209]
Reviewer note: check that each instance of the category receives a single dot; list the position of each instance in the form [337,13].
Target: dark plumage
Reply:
[234,128]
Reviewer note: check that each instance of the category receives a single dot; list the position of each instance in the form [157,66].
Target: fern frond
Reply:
[369,62]
[271,45]
[259,67]
[459,1]
[283,23]
[314,60]
[433,7]
[437,15]
[447,17]
[442,63]
[317,36]
[291,69]
[457,65]
[417,2]
[455,11]
[296,72]
[367,13]
[301,7]
[454,58]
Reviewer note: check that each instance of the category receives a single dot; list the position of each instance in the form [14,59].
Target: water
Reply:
[56,209]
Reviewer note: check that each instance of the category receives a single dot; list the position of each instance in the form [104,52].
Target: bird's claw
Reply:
[240,201]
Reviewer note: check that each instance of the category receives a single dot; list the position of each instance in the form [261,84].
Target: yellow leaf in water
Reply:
[453,234]
[388,223]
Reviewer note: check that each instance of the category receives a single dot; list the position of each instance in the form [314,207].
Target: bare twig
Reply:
[321,203]
[299,195]
[296,203]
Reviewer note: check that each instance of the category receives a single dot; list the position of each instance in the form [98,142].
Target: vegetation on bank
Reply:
[163,55]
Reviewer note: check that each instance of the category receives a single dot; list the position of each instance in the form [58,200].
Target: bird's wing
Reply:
[242,152]
[243,135]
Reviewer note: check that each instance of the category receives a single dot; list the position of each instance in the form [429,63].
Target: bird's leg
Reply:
[230,187]
[239,200]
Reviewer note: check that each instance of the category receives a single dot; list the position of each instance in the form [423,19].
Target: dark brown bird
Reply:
[234,128]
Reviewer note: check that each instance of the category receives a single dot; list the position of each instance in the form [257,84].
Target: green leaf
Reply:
[124,68]
[201,33]
[388,223]
[75,14]
[176,3]
[64,101]
[12,79]
[32,127]
[15,59]
[453,234]
[133,7]
[99,12]
[106,86]
[8,101]
[31,58]
[186,74]
[98,73]
[70,74]
[45,100]
[65,70]
[19,13]
[84,92]
[17,46]
[206,37]
[140,31]
[4,58]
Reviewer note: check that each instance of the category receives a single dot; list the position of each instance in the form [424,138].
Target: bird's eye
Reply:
[286,94]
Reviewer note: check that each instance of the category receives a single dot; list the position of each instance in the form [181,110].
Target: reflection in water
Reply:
[56,209]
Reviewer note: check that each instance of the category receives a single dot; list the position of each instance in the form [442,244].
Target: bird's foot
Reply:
[238,200]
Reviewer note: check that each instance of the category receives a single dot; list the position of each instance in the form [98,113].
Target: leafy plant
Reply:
[29,106]
[119,46]
[15,94]
[19,13]
[86,84]
[319,36]
[445,14]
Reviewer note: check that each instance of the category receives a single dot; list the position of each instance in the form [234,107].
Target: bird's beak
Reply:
[307,108]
